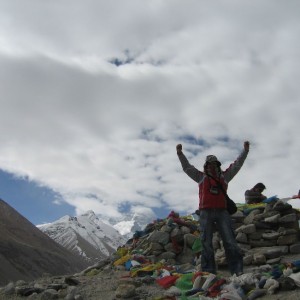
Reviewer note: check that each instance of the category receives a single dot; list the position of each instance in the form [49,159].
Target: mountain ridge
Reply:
[27,253]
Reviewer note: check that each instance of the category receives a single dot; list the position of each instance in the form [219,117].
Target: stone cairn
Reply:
[265,233]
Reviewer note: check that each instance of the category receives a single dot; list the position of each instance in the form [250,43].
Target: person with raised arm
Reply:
[212,208]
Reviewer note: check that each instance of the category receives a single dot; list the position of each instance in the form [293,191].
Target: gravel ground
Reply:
[103,286]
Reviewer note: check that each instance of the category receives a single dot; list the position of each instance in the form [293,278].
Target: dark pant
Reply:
[220,218]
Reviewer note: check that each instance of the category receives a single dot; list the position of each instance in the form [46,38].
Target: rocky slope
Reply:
[27,253]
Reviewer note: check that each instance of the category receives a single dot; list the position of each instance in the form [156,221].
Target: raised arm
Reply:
[238,163]
[190,170]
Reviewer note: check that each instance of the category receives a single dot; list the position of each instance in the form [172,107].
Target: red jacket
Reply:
[206,198]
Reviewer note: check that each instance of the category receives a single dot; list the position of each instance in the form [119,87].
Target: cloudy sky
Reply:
[96,94]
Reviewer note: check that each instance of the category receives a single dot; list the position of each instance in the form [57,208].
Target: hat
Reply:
[212,159]
[259,186]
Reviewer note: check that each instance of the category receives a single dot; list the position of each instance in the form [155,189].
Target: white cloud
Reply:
[220,72]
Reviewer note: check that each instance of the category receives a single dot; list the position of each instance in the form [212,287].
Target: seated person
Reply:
[255,195]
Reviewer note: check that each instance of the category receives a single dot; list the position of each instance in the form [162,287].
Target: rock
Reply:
[71,281]
[273,253]
[287,239]
[183,268]
[100,265]
[166,255]
[259,259]
[295,248]
[242,237]
[248,260]
[264,225]
[271,235]
[170,248]
[27,291]
[273,260]
[9,289]
[166,228]
[250,218]
[20,283]
[130,281]
[286,284]
[177,235]
[286,231]
[292,225]
[125,291]
[185,230]
[186,257]
[282,207]
[56,286]
[288,218]
[262,243]
[255,235]
[189,240]
[273,219]
[247,229]
[159,236]
[216,241]
[49,294]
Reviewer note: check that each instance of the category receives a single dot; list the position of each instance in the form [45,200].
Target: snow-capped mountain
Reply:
[129,223]
[85,234]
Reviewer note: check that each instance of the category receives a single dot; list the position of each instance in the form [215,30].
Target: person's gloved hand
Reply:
[246,145]
[179,149]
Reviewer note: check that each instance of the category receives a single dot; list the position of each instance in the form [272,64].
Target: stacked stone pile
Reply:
[265,233]
[268,232]
[172,240]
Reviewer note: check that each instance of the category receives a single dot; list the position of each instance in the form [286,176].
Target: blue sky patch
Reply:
[32,201]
